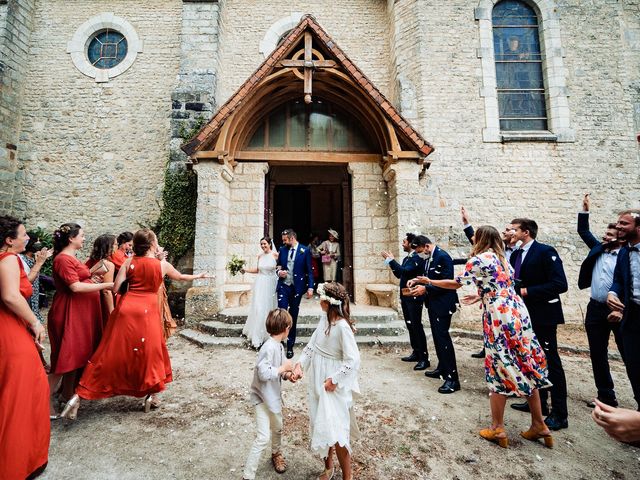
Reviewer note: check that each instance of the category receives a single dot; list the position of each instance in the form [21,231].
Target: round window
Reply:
[107,48]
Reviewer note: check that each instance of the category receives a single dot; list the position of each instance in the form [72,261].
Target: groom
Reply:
[295,278]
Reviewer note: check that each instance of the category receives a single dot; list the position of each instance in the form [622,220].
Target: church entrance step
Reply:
[207,340]
[310,313]
[222,329]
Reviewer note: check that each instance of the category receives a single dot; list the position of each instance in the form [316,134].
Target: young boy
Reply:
[271,367]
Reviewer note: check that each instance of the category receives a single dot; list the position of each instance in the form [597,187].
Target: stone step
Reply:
[223,329]
[308,315]
[206,340]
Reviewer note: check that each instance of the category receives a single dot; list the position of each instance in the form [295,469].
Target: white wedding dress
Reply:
[263,300]
[331,413]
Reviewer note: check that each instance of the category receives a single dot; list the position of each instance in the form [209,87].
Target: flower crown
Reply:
[323,296]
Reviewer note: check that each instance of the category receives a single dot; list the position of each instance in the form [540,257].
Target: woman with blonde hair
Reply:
[515,364]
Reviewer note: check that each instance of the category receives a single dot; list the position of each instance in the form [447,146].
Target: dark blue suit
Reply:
[542,274]
[630,326]
[441,305]
[412,266]
[289,296]
[597,326]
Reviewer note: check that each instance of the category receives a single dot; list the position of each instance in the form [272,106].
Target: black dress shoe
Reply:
[422,365]
[433,373]
[449,386]
[611,402]
[289,353]
[480,354]
[411,358]
[556,423]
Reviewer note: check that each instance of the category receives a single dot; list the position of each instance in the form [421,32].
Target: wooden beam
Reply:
[307,157]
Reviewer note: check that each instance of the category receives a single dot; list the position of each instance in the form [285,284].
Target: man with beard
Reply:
[624,296]
[596,272]
[412,266]
[540,279]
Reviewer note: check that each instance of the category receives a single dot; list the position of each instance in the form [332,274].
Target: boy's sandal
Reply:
[279,463]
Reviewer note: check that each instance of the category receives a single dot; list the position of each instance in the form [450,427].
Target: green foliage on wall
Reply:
[46,241]
[176,227]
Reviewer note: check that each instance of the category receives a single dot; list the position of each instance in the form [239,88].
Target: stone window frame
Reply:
[553,71]
[271,39]
[77,47]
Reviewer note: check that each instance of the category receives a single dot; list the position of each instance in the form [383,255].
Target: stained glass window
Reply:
[107,49]
[319,126]
[521,91]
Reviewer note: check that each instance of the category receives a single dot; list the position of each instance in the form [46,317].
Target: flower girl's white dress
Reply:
[263,300]
[334,355]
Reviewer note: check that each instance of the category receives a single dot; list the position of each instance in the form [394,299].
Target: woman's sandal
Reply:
[496,435]
[150,402]
[279,463]
[534,435]
[70,411]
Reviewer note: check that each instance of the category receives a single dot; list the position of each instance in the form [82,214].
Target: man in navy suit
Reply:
[441,305]
[540,279]
[624,297]
[596,272]
[412,266]
[295,278]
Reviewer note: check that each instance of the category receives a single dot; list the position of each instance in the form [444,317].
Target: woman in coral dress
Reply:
[75,316]
[24,393]
[515,364]
[132,358]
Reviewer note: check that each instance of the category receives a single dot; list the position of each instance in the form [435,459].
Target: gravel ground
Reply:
[205,427]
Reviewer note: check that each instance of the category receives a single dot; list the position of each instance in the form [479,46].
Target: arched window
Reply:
[519,80]
[523,76]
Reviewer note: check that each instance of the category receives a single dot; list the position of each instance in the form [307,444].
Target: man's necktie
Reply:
[291,252]
[518,263]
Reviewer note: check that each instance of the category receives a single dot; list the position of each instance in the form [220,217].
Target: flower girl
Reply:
[331,361]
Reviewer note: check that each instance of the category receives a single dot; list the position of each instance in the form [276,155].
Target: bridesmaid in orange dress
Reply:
[132,358]
[75,316]
[103,247]
[24,425]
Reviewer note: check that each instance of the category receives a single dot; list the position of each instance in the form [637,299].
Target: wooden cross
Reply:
[308,64]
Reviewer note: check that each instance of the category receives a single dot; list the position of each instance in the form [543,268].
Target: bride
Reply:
[264,294]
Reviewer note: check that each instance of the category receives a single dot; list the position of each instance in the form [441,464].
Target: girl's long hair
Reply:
[63,234]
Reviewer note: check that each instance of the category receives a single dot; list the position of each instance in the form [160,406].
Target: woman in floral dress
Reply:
[515,364]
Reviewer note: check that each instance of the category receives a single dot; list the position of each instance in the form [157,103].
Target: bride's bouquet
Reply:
[235,265]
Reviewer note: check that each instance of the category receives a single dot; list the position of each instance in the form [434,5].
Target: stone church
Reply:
[372,117]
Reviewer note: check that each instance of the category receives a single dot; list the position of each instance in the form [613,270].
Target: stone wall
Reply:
[541,180]
[95,152]
[16,25]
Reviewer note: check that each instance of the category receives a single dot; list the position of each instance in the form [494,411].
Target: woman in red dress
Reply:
[75,317]
[24,425]
[132,358]
[103,247]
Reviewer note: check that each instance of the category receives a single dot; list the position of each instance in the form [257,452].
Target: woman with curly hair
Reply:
[75,316]
[515,364]
[24,426]
[331,360]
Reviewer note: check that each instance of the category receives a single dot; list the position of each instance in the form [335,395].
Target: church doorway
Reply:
[311,200]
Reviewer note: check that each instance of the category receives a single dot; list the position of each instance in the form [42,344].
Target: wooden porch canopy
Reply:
[307,64]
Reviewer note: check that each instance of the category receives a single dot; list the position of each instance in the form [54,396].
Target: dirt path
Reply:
[409,431]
